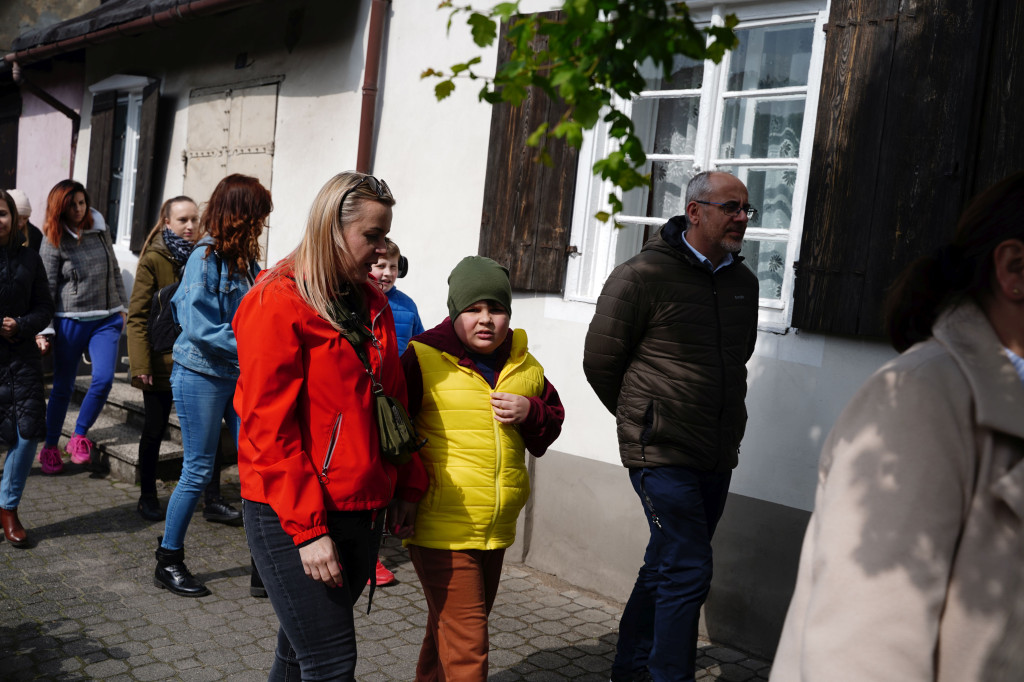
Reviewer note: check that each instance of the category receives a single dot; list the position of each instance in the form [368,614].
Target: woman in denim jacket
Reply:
[219,272]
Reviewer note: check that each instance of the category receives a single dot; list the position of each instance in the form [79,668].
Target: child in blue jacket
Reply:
[407,317]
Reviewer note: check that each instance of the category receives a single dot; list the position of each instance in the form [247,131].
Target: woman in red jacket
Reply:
[314,484]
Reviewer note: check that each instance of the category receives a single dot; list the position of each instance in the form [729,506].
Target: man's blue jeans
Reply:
[316,639]
[202,402]
[659,624]
[71,339]
[16,468]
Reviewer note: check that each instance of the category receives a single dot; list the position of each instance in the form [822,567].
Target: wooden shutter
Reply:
[142,215]
[10,112]
[896,150]
[100,149]
[527,211]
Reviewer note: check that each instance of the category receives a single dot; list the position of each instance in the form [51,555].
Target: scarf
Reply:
[180,248]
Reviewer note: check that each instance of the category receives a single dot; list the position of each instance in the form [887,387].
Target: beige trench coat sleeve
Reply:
[895,482]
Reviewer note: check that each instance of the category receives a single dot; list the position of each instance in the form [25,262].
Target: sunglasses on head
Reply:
[378,187]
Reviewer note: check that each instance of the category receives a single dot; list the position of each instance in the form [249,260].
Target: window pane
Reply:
[117,165]
[687,74]
[770,191]
[754,128]
[767,258]
[771,57]
[674,123]
[668,189]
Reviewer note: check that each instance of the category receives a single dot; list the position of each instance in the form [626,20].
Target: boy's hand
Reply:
[402,519]
[510,408]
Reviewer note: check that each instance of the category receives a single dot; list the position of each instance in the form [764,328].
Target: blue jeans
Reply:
[659,624]
[202,402]
[16,467]
[71,339]
[317,637]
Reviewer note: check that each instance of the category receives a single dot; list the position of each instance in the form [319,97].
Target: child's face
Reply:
[385,271]
[482,327]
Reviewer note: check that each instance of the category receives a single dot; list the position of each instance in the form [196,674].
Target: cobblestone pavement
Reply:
[81,605]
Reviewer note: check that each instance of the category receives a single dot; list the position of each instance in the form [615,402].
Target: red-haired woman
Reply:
[86,285]
[220,270]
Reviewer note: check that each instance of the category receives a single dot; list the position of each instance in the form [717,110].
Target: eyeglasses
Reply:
[733,208]
[378,187]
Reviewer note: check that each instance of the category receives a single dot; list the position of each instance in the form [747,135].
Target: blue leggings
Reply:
[101,337]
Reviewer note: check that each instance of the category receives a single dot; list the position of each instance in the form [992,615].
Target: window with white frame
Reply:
[123,166]
[752,115]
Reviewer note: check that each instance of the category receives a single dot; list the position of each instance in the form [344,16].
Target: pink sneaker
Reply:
[80,449]
[50,460]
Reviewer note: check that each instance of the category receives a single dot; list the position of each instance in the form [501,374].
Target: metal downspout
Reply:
[76,118]
[367,117]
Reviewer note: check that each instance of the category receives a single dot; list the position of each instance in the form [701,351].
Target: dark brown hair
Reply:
[234,218]
[12,208]
[57,203]
[963,268]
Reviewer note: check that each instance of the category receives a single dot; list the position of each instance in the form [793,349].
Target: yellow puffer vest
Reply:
[477,466]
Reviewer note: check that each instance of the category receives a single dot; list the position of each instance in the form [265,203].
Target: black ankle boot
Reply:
[149,508]
[172,574]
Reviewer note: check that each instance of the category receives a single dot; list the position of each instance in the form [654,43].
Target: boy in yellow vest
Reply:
[481,400]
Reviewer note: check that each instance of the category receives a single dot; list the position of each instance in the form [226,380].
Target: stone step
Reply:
[117,446]
[118,429]
[125,404]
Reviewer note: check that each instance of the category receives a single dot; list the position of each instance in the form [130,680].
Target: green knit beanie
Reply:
[477,278]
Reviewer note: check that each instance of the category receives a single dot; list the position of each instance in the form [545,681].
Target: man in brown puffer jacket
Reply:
[666,353]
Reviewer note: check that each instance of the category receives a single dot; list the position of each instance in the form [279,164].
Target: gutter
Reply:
[180,13]
[367,117]
[184,12]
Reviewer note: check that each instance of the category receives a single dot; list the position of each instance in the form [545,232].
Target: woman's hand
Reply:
[146,379]
[402,519]
[43,343]
[320,561]
[9,328]
[510,408]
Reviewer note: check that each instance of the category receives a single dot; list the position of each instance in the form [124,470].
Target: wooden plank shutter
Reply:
[527,210]
[1000,145]
[10,113]
[100,149]
[142,216]
[893,151]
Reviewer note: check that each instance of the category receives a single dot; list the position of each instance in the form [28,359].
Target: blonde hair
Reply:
[321,263]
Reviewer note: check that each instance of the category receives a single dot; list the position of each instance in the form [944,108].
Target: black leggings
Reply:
[158,413]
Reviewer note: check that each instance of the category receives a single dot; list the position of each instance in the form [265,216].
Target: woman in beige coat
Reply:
[913,563]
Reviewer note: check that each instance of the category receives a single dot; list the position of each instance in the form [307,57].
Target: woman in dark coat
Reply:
[26,308]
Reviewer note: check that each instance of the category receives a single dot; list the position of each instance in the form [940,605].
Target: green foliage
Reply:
[589,59]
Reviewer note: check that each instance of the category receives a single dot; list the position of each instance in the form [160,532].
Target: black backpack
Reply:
[163,330]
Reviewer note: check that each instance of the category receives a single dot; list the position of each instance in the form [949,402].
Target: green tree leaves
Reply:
[589,58]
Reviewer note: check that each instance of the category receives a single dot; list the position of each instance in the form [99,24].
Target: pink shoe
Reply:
[50,460]
[80,449]
[384,576]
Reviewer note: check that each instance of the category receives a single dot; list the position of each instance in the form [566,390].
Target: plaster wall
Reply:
[318,97]
[44,135]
